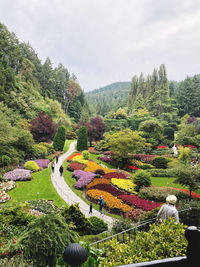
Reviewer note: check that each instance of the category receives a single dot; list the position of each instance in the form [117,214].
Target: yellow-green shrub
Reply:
[31,165]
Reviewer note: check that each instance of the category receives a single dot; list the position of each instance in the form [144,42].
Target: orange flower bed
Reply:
[72,156]
[98,181]
[93,166]
[114,204]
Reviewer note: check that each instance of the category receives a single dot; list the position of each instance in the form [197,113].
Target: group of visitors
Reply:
[53,166]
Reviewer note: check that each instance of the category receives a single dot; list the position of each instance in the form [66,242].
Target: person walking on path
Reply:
[90,209]
[168,210]
[52,166]
[101,203]
[61,170]
[56,158]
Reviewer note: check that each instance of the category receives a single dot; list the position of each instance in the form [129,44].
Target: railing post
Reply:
[193,237]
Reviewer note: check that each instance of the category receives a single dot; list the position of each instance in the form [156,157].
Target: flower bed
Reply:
[108,188]
[92,150]
[124,184]
[93,167]
[6,186]
[107,152]
[114,204]
[42,163]
[4,197]
[160,193]
[72,156]
[115,175]
[106,159]
[74,166]
[130,167]
[161,147]
[18,175]
[79,159]
[98,181]
[191,146]
[138,202]
[83,178]
[194,195]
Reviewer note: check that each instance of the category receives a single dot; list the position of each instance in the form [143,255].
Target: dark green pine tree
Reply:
[141,85]
[59,139]
[133,92]
[139,103]
[75,109]
[82,142]
[47,80]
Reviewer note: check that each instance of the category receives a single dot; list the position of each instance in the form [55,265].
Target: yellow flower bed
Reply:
[137,163]
[111,202]
[124,184]
[98,181]
[79,159]
[93,166]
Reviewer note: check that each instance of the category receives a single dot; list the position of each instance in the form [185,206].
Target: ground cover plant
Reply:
[18,175]
[42,163]
[83,178]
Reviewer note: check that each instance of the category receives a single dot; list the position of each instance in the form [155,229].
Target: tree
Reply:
[188,175]
[59,139]
[46,239]
[82,142]
[42,128]
[123,143]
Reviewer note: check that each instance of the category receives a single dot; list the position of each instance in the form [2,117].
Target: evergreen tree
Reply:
[59,139]
[82,142]
[139,103]
[133,91]
[141,85]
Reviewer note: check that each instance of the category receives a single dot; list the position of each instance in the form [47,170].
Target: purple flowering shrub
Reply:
[83,178]
[42,163]
[18,175]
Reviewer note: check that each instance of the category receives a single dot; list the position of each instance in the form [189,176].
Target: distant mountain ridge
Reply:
[109,97]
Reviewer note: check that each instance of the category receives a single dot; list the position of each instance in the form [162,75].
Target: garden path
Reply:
[68,195]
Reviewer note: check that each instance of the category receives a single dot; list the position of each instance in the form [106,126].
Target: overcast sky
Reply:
[105,41]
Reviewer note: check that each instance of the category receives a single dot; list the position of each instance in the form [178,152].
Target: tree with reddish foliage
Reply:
[42,128]
[96,128]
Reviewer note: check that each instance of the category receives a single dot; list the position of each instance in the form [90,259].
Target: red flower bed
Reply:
[76,166]
[161,147]
[143,157]
[194,195]
[111,175]
[72,156]
[190,146]
[138,202]
[129,167]
[108,188]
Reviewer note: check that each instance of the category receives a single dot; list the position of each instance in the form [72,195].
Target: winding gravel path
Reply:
[67,194]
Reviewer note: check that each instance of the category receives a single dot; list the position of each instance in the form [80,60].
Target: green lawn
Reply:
[40,183]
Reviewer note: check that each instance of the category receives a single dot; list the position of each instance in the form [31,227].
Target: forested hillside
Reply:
[31,90]
[108,98]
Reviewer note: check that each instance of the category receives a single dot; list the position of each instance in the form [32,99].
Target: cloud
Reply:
[103,41]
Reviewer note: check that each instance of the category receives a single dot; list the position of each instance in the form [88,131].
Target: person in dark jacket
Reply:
[61,170]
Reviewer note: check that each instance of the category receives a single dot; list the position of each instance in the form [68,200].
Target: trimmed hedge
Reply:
[32,166]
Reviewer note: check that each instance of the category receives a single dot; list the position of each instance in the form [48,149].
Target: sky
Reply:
[106,41]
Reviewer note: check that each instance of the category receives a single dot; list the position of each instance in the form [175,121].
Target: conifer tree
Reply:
[82,142]
[59,139]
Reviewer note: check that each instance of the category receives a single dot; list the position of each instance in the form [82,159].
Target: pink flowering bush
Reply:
[106,159]
[140,203]
[42,163]
[18,175]
[83,178]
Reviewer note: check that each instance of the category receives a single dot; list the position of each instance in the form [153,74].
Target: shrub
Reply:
[86,154]
[134,215]
[39,151]
[18,175]
[31,165]
[139,203]
[191,212]
[159,194]
[5,160]
[143,157]
[161,173]
[98,225]
[15,161]
[59,138]
[82,142]
[160,162]
[169,132]
[162,241]
[121,225]
[71,135]
[142,179]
